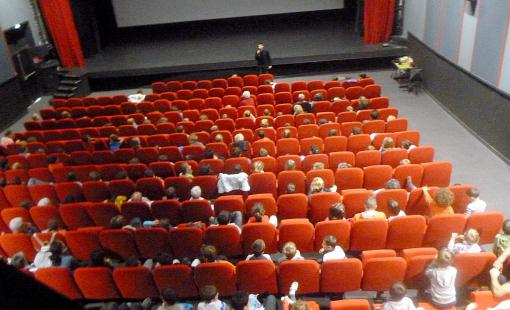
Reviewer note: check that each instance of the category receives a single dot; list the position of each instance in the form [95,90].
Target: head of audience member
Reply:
[392,184]
[370,203]
[239,137]
[57,249]
[387,143]
[374,115]
[134,160]
[52,225]
[203,117]
[247,113]
[236,151]
[314,149]
[318,97]
[444,197]
[398,291]
[163,259]
[406,144]
[237,169]
[149,173]
[307,121]
[444,258]
[209,253]
[246,94]
[258,166]
[289,250]
[299,305]
[133,261]
[355,130]
[193,139]
[137,197]
[114,138]
[298,109]
[196,192]
[506,227]
[291,188]
[14,181]
[329,243]
[169,297]
[390,118]
[301,97]
[471,236]
[322,121]
[363,103]
[290,165]
[264,123]
[117,222]
[205,170]
[94,176]
[224,217]
[16,224]
[186,169]
[332,132]
[266,112]
[135,143]
[240,300]
[213,128]
[317,185]
[98,259]
[473,193]
[26,204]
[261,134]
[218,138]
[344,165]
[258,211]
[263,152]
[287,133]
[349,108]
[18,261]
[393,207]
[404,161]
[337,211]
[179,128]
[163,120]
[258,247]
[209,293]
[317,165]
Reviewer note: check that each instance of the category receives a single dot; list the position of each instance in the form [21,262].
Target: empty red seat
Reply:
[292,206]
[339,276]
[487,224]
[177,277]
[152,241]
[350,304]
[299,231]
[95,191]
[189,236]
[152,188]
[441,227]
[305,272]
[406,232]
[75,215]
[226,239]
[96,283]
[320,204]
[376,176]
[82,243]
[60,280]
[379,274]
[13,243]
[135,282]
[257,277]
[369,234]
[118,242]
[220,274]
[436,173]
[196,211]
[264,231]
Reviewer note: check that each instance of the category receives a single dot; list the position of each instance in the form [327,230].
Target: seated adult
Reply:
[442,202]
[257,251]
[246,100]
[394,209]
[258,215]
[305,105]
[318,186]
[336,212]
[209,254]
[138,197]
[290,252]
[370,211]
[234,218]
[330,250]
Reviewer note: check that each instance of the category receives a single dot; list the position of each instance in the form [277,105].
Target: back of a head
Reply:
[289,249]
[117,222]
[393,206]
[444,197]
[169,296]
[258,211]
[473,192]
[330,240]
[224,217]
[208,293]
[258,247]
[392,184]
[196,191]
[209,253]
[110,306]
[290,164]
[299,305]
[444,258]
[237,169]
[398,291]
[337,211]
[371,203]
[239,300]
[506,227]
[471,236]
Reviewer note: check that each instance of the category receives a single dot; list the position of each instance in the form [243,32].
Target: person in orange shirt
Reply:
[442,202]
[370,211]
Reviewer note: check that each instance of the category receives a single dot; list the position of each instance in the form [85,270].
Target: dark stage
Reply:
[300,42]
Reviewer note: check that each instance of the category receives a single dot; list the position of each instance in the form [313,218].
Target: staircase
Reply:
[71,84]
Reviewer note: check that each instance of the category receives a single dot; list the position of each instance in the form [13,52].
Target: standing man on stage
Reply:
[263,59]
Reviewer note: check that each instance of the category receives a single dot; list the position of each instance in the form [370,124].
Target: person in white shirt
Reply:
[137,98]
[290,252]
[442,277]
[210,301]
[196,193]
[467,243]
[475,203]
[330,250]
[7,139]
[398,299]
[394,208]
[257,249]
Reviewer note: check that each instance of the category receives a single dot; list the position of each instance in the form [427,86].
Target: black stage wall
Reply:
[481,107]
[14,102]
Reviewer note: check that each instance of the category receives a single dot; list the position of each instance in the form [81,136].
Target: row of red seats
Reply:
[287,206]
[256,81]
[405,232]
[370,177]
[376,271]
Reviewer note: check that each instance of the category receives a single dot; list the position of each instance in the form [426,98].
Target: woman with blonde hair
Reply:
[298,109]
[258,166]
[387,144]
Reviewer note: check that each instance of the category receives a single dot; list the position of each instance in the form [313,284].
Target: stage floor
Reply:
[229,44]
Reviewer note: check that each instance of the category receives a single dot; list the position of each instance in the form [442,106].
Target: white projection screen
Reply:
[130,13]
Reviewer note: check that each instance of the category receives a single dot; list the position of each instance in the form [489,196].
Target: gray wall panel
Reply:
[6,69]
[450,35]
[432,22]
[489,39]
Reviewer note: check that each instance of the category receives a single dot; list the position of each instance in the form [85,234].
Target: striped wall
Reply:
[478,43]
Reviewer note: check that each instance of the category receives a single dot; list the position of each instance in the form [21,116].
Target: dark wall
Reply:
[13,103]
[481,107]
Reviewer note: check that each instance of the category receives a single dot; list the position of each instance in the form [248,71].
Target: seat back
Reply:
[152,241]
[342,275]
[473,267]
[264,231]
[177,277]
[320,204]
[299,231]
[305,272]
[368,234]
[406,232]
[441,227]
[257,277]
[135,282]
[186,242]
[292,206]
[220,274]
[118,242]
[226,239]
[488,224]
[340,229]
[82,243]
[350,304]
[379,274]
[60,280]
[96,283]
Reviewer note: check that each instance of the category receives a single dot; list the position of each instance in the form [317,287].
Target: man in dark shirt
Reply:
[263,59]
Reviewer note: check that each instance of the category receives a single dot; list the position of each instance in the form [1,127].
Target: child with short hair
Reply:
[258,215]
[330,250]
[210,301]
[394,209]
[290,252]
[468,242]
[475,203]
[257,249]
[398,299]
[502,241]
[442,277]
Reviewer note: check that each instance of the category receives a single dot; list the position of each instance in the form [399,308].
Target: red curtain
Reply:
[378,20]
[60,22]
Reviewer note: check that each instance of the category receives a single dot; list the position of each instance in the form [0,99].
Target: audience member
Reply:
[208,254]
[442,202]
[60,256]
[398,299]
[196,193]
[330,250]
[370,210]
[336,212]
[290,252]
[115,142]
[467,243]
[257,251]
[442,275]
[209,295]
[186,171]
[170,301]
[394,209]
[303,103]
[234,218]
[475,205]
[258,166]
[502,241]
[258,215]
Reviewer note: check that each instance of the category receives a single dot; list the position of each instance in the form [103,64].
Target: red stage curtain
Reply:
[60,22]
[378,20]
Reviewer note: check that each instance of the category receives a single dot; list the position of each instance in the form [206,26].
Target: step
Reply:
[70,82]
[63,95]
[66,89]
[69,76]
